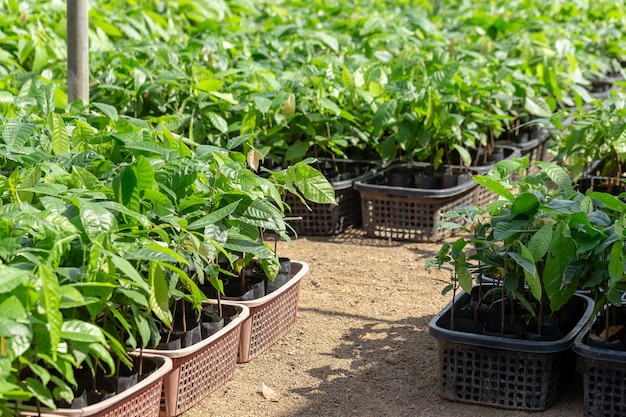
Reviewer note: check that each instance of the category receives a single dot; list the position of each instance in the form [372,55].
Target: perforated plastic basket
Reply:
[604,379]
[401,213]
[271,316]
[200,369]
[505,373]
[141,400]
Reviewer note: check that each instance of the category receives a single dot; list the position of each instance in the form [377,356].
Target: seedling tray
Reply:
[201,368]
[505,373]
[271,316]
[411,214]
[604,379]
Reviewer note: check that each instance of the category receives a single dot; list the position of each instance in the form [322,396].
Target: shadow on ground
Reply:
[391,364]
[393,372]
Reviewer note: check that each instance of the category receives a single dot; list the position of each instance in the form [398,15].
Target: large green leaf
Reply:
[50,304]
[11,278]
[96,219]
[130,190]
[383,116]
[540,242]
[525,203]
[557,174]
[16,134]
[218,122]
[129,271]
[611,201]
[144,173]
[214,216]
[44,94]
[537,106]
[494,186]
[159,293]
[60,137]
[313,185]
[616,262]
[80,331]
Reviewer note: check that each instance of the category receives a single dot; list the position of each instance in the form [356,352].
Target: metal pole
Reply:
[78,50]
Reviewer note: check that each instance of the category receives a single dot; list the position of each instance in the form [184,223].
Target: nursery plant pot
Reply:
[401,177]
[493,370]
[211,322]
[604,372]
[271,316]
[200,369]
[142,399]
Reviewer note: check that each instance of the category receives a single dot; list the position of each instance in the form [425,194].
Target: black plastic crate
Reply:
[505,373]
[604,379]
[404,213]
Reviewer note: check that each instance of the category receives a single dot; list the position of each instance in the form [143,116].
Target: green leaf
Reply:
[144,173]
[159,293]
[60,137]
[346,77]
[616,262]
[329,40]
[117,207]
[107,110]
[330,105]
[80,331]
[50,303]
[557,174]
[218,122]
[11,278]
[610,201]
[537,106]
[45,99]
[46,188]
[129,271]
[540,242]
[156,252]
[96,219]
[214,217]
[530,272]
[40,391]
[525,203]
[383,115]
[16,134]
[463,273]
[494,186]
[313,185]
[130,190]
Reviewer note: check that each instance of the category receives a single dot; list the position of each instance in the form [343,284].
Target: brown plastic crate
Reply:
[201,368]
[141,400]
[271,316]
[411,214]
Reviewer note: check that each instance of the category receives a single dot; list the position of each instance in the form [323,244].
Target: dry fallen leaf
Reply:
[269,394]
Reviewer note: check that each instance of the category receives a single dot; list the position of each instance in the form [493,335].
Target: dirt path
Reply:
[360,345]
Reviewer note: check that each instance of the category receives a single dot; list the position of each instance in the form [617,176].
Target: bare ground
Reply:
[360,345]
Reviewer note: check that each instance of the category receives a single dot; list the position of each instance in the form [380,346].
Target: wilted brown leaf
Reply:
[269,394]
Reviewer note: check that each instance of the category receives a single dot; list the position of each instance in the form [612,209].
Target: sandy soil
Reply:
[360,345]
